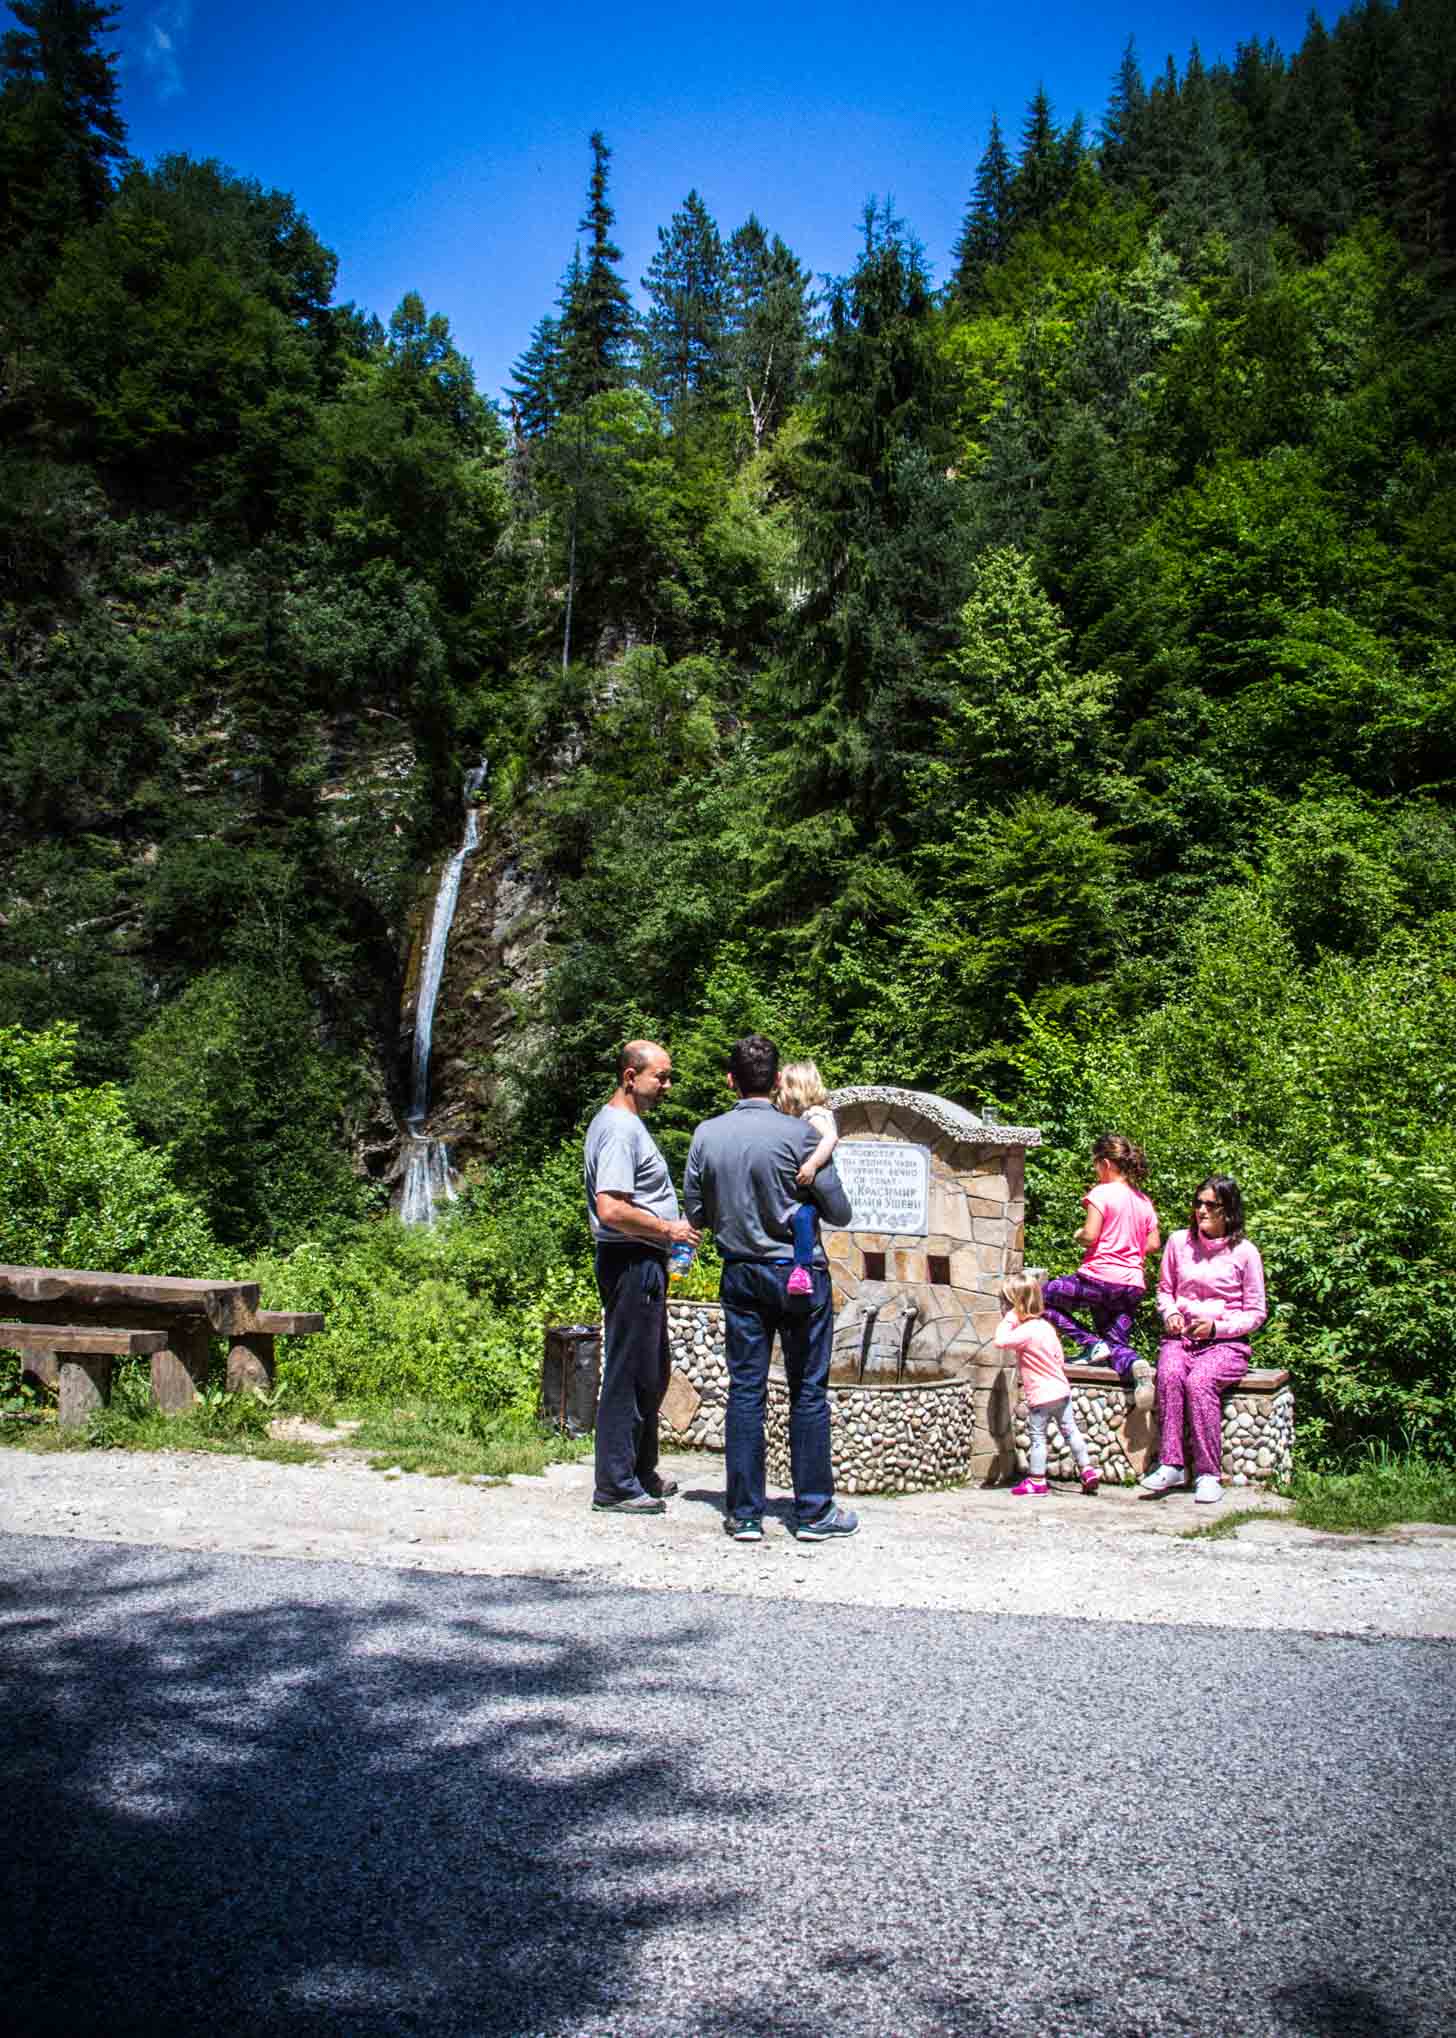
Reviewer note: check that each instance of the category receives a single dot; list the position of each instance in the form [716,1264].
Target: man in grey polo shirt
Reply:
[632,1208]
[740,1182]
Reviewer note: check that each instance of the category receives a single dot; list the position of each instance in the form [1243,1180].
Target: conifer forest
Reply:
[1034,683]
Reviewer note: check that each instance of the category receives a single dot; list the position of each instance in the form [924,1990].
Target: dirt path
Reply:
[1113,1558]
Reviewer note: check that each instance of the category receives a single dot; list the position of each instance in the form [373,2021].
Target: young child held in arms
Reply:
[1044,1384]
[1118,1233]
[801,1094]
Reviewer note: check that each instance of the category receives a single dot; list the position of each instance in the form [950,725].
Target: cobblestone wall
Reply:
[892,1439]
[1258,1431]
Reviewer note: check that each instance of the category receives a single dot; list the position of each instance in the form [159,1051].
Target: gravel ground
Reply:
[252,1795]
[1116,1557]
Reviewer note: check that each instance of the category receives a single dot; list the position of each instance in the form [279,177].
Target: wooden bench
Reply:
[186,1313]
[82,1356]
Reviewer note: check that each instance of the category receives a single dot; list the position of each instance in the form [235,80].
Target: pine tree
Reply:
[534,398]
[61,134]
[597,324]
[685,328]
[769,335]
[1125,121]
[1040,182]
[986,230]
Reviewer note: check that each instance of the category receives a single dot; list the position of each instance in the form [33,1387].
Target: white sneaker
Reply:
[1207,1489]
[1145,1386]
[1167,1479]
[1099,1354]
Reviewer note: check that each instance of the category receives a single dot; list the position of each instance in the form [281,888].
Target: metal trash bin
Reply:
[571,1377]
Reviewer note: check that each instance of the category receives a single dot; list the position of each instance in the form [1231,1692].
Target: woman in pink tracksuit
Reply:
[1211,1300]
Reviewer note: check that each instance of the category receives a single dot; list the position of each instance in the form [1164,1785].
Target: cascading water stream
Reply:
[427,1175]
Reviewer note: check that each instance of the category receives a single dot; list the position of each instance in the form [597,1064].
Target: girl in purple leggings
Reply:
[1211,1300]
[1120,1230]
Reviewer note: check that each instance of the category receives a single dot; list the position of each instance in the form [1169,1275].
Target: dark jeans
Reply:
[754,1308]
[632,1282]
[805,1221]
[1111,1307]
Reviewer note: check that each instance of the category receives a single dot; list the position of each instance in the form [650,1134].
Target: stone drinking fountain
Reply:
[919,1396]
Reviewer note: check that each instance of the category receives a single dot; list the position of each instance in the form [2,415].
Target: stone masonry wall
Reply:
[1258,1430]
[890,1439]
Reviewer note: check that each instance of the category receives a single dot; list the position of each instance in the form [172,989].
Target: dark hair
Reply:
[753,1064]
[1230,1202]
[1128,1159]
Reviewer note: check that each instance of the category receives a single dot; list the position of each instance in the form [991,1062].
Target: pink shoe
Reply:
[799,1282]
[1037,1487]
[1091,1478]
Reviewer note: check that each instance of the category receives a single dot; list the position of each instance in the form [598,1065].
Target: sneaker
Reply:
[1167,1479]
[743,1529]
[635,1503]
[1145,1384]
[1029,1485]
[660,1488]
[799,1282]
[833,1523]
[1091,1478]
[1098,1354]
[1207,1490]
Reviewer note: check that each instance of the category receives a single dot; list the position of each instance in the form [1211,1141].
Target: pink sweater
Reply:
[1038,1352]
[1212,1278]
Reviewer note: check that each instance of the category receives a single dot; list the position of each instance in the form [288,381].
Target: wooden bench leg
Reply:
[179,1370]
[85,1387]
[41,1369]
[250,1363]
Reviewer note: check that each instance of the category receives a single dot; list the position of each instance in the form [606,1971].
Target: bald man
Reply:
[633,1210]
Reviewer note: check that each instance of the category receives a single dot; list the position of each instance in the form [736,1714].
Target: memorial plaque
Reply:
[888,1185]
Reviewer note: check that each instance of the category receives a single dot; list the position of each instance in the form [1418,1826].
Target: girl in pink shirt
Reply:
[1044,1383]
[1119,1231]
[1211,1300]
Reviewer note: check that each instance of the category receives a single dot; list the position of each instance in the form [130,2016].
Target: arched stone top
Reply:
[940,1118]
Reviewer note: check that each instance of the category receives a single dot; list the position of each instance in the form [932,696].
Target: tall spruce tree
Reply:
[986,229]
[61,133]
[684,335]
[597,323]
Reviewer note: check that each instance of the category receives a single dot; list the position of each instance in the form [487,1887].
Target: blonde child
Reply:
[801,1094]
[1044,1384]
[1118,1233]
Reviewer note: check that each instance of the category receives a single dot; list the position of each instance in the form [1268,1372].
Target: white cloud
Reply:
[164,35]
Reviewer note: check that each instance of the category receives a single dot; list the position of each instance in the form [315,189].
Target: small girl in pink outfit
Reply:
[1044,1383]
[1120,1230]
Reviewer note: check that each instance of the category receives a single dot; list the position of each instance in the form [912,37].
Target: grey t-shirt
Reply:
[622,1158]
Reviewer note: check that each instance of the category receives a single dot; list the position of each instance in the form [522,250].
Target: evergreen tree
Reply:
[61,133]
[596,311]
[986,230]
[768,323]
[685,328]
[1041,180]
[1125,121]
[1317,177]
[534,398]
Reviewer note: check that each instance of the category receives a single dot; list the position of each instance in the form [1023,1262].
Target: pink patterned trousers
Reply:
[1191,1380]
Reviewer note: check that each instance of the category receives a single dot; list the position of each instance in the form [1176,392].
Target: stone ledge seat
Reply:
[1258,1428]
[1255,1381]
[83,1354]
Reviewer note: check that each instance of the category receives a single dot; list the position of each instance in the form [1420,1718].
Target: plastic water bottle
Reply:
[679,1260]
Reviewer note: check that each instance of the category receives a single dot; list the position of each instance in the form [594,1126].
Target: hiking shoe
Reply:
[1098,1354]
[829,1526]
[1167,1479]
[743,1529]
[1207,1490]
[660,1488]
[1145,1384]
[1028,1485]
[1091,1478]
[799,1282]
[635,1503]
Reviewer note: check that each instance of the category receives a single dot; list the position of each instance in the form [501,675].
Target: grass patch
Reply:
[1383,1488]
[222,1424]
[444,1440]
[1224,1525]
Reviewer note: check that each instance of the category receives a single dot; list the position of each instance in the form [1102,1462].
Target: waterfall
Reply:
[427,1175]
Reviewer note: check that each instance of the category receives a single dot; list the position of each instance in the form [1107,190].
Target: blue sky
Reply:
[445,149]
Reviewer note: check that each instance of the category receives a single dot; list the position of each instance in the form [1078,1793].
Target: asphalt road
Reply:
[245,1795]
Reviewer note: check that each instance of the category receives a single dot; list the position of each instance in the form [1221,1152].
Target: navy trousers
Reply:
[632,1282]
[754,1308]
